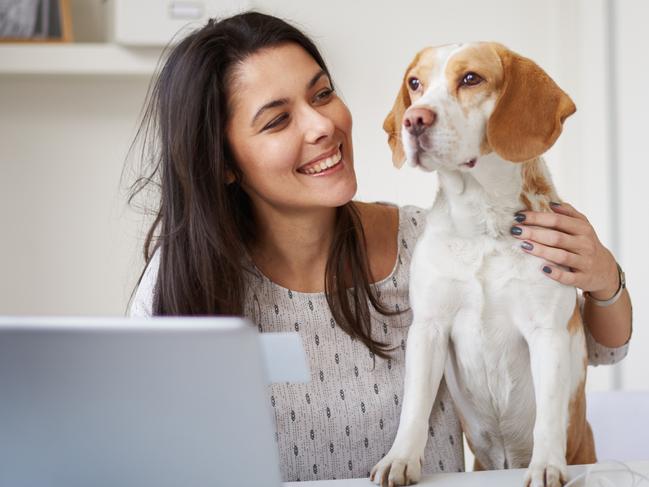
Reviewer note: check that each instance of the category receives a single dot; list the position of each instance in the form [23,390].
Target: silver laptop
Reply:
[87,402]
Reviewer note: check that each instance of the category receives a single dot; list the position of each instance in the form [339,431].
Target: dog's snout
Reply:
[418,119]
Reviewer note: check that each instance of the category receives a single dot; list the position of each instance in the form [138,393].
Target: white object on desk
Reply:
[285,359]
[620,423]
[493,478]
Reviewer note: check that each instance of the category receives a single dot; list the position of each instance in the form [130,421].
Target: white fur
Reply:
[484,313]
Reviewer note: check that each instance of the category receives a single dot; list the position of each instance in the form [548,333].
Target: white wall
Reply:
[633,172]
[70,246]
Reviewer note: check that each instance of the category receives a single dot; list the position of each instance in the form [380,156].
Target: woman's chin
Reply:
[343,195]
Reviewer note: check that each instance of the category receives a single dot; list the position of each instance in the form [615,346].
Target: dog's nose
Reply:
[418,119]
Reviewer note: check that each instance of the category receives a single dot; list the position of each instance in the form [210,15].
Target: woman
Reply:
[253,157]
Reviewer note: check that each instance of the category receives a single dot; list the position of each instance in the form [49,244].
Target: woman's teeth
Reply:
[322,165]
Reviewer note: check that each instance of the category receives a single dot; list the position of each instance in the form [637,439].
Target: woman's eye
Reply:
[471,79]
[324,94]
[414,84]
[276,122]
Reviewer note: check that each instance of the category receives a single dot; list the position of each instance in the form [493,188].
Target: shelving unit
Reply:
[77,59]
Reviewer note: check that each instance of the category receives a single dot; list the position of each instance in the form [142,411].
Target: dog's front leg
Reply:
[550,363]
[426,351]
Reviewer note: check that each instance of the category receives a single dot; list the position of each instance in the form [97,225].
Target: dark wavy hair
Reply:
[204,226]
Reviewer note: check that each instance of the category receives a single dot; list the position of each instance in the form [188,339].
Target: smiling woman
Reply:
[253,156]
[250,144]
[290,136]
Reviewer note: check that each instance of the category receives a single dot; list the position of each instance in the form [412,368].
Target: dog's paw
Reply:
[546,475]
[397,469]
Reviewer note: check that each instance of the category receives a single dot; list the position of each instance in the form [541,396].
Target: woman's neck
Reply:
[291,248]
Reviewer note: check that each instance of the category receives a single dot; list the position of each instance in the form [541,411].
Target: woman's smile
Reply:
[324,165]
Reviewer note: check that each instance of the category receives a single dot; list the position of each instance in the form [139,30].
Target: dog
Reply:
[509,340]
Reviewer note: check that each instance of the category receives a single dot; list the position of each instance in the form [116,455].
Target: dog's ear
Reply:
[530,111]
[394,119]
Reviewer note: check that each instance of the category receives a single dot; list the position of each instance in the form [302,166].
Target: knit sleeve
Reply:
[599,354]
[416,218]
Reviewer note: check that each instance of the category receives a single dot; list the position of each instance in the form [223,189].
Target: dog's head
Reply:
[459,102]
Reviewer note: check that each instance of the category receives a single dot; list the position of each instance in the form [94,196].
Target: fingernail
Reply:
[554,203]
[519,217]
[547,270]
[527,246]
[516,230]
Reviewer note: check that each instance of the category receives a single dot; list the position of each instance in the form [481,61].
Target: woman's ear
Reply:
[394,119]
[530,111]
[229,177]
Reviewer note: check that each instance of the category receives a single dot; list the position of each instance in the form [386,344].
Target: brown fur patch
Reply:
[526,202]
[424,69]
[575,324]
[529,115]
[536,190]
[580,449]
[534,181]
[392,123]
[482,60]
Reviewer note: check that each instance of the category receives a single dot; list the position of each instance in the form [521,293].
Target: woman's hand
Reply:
[566,238]
[575,256]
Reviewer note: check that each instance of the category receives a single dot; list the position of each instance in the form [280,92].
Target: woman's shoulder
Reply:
[391,220]
[388,230]
[142,304]
[381,227]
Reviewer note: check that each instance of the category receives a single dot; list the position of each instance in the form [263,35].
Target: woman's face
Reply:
[289,132]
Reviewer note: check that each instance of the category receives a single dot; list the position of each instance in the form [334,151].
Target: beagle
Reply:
[509,340]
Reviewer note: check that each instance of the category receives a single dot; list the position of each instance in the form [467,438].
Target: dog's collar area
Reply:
[470,163]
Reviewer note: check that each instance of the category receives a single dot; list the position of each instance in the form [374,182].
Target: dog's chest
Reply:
[478,259]
[484,272]
[468,236]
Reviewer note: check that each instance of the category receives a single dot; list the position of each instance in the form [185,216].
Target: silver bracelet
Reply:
[608,302]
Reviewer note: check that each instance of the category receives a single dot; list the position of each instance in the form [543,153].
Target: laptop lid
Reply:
[134,402]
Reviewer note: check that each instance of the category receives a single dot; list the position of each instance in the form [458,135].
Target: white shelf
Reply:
[103,59]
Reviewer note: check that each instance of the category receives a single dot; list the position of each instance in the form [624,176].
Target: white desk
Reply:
[494,478]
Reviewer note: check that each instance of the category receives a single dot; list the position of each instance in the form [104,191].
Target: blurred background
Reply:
[70,106]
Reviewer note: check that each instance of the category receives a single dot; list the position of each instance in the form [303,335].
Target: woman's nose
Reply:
[317,125]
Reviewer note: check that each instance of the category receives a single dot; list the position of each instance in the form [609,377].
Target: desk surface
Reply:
[494,478]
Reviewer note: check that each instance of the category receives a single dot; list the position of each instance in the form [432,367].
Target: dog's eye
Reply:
[414,84]
[471,79]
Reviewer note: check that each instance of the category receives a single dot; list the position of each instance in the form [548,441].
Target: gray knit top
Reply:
[345,420]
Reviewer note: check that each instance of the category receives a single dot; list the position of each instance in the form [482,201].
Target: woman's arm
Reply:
[610,325]
[566,237]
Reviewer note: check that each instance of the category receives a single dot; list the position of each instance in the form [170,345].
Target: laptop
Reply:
[94,402]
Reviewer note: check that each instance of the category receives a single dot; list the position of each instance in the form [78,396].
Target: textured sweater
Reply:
[345,419]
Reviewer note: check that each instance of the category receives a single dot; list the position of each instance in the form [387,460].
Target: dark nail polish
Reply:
[519,217]
[547,270]
[516,230]
[553,203]
[527,246]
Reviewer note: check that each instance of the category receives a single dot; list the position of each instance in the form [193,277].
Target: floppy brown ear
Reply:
[529,114]
[392,122]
